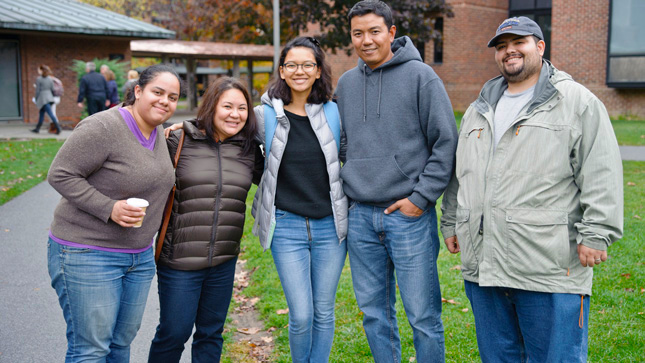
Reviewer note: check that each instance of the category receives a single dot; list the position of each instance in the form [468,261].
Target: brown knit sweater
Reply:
[101,163]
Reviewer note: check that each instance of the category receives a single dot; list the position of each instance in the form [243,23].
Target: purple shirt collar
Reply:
[132,125]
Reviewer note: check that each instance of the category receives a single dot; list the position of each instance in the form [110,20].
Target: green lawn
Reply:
[616,324]
[629,132]
[23,164]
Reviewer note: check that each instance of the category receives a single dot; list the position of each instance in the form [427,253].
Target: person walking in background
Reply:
[398,153]
[94,89]
[45,98]
[113,89]
[101,267]
[535,201]
[300,209]
[218,161]
[133,76]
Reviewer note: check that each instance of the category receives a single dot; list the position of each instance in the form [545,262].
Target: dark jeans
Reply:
[192,298]
[527,326]
[41,117]
[95,105]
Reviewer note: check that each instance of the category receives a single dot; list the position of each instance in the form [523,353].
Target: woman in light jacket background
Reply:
[45,98]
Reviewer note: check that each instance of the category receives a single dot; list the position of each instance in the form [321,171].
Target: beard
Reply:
[531,64]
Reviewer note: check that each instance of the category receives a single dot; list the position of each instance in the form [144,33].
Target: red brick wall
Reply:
[467,62]
[58,52]
[579,47]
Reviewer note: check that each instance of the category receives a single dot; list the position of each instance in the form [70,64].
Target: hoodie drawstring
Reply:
[380,86]
[364,94]
[378,106]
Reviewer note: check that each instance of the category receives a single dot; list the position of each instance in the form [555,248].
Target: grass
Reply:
[629,132]
[24,164]
[616,324]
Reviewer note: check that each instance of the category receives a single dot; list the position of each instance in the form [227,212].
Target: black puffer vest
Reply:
[212,181]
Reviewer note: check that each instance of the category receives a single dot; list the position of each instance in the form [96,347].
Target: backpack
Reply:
[271,122]
[58,87]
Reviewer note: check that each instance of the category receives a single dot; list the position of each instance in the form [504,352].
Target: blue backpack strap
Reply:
[270,124]
[333,120]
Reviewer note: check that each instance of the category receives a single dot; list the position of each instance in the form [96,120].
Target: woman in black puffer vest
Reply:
[218,162]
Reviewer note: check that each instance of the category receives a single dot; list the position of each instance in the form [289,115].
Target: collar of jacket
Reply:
[191,130]
[493,90]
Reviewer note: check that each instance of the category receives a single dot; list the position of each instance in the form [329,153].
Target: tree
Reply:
[247,21]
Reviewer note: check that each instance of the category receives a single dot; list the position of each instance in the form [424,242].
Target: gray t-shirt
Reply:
[507,109]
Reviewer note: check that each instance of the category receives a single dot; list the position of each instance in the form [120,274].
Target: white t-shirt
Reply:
[507,109]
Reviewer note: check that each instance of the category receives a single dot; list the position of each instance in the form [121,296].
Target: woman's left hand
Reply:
[168,130]
[126,215]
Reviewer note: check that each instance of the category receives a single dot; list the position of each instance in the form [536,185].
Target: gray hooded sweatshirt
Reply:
[400,135]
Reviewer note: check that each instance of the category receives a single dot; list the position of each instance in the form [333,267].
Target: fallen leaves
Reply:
[455,267]
[465,310]
[631,184]
[453,302]
[282,311]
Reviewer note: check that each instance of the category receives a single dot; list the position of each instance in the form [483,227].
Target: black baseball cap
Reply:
[520,25]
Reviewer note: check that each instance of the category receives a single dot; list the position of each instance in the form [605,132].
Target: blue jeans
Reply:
[197,298]
[309,260]
[103,296]
[380,245]
[527,326]
[41,116]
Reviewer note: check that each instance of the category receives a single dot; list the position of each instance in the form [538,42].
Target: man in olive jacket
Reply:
[535,201]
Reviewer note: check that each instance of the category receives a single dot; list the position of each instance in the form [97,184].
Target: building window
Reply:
[10,99]
[438,42]
[626,46]
[540,12]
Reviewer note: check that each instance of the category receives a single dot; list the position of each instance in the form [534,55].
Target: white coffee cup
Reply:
[141,203]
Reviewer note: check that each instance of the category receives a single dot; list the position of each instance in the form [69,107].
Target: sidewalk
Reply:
[32,328]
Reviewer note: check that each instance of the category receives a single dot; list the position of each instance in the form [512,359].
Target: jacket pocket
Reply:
[375,179]
[537,241]
[469,257]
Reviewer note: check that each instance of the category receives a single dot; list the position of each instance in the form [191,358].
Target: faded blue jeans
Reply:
[528,326]
[103,296]
[309,260]
[379,246]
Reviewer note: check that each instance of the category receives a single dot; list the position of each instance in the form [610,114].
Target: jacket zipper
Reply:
[218,196]
[308,228]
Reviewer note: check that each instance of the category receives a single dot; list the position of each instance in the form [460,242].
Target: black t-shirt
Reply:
[303,181]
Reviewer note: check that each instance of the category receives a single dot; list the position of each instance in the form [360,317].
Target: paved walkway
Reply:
[32,328]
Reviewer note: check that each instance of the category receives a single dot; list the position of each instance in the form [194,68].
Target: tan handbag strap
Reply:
[181,145]
[171,198]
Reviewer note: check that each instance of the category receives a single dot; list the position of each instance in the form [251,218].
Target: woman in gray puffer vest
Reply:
[300,209]
[218,162]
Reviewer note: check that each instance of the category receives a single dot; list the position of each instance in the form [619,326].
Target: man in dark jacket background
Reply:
[94,89]
[399,147]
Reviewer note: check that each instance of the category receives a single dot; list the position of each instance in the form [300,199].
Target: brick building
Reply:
[601,43]
[56,32]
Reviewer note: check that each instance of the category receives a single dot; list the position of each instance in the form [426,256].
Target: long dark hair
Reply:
[321,89]
[146,76]
[208,109]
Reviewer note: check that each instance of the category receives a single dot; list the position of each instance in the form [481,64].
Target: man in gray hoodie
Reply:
[398,152]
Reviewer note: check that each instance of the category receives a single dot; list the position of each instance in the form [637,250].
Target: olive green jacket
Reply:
[554,181]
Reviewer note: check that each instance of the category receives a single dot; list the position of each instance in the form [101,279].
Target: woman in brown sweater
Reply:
[101,267]
[218,162]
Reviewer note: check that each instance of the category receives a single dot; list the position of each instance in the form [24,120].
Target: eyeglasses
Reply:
[292,67]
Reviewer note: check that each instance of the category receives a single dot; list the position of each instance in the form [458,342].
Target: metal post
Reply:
[276,34]
[250,77]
